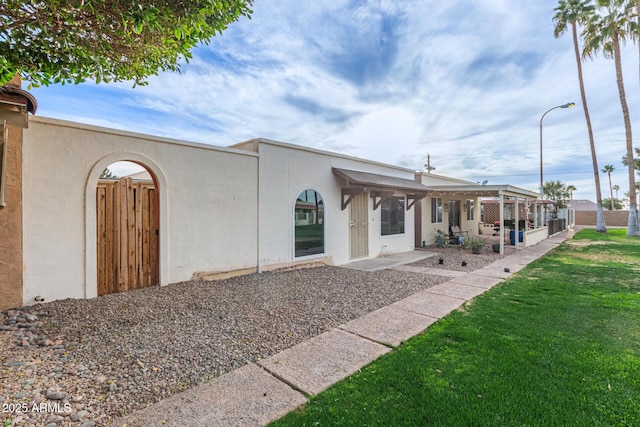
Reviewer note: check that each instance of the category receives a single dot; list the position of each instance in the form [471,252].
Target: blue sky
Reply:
[463,81]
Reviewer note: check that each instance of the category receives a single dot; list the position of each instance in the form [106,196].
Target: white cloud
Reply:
[387,80]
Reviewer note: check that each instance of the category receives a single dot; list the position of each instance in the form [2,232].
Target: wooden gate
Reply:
[127,225]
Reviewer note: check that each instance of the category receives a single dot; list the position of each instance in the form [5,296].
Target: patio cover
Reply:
[381,187]
[498,191]
[485,190]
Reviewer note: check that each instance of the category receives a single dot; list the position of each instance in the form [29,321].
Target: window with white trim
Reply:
[436,210]
[392,216]
[309,224]
[469,209]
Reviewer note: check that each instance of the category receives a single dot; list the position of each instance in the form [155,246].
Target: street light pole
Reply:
[567,105]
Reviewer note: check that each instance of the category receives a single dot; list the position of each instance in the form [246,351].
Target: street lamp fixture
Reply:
[567,105]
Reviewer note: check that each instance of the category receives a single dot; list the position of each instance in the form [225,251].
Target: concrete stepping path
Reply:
[389,325]
[257,394]
[457,290]
[248,396]
[429,304]
[479,281]
[319,362]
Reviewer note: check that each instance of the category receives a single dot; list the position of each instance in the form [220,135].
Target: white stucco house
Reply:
[200,211]
[255,206]
[366,206]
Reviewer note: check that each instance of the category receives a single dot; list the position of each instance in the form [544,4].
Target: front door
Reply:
[454,212]
[359,226]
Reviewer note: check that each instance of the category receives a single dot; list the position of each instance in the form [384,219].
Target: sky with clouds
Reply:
[465,81]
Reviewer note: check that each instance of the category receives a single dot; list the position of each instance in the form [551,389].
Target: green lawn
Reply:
[557,344]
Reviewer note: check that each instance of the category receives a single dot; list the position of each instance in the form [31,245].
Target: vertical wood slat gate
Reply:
[127,227]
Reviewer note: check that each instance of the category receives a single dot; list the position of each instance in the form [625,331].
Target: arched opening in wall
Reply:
[309,224]
[127,218]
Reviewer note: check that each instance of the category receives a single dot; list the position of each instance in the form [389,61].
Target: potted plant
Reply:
[476,243]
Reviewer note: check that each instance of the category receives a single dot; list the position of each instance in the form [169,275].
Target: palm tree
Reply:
[638,29]
[604,31]
[616,188]
[571,188]
[557,192]
[636,160]
[608,169]
[574,12]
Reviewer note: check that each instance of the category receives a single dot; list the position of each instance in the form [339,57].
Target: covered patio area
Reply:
[528,225]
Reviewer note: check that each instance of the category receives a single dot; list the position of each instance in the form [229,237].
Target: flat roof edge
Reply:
[322,152]
[137,135]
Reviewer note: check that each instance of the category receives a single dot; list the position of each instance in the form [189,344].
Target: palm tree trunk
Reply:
[638,15]
[612,208]
[600,224]
[632,223]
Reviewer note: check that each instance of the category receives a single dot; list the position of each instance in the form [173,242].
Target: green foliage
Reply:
[556,344]
[571,12]
[636,160]
[612,23]
[107,174]
[72,41]
[557,192]
[473,242]
[617,204]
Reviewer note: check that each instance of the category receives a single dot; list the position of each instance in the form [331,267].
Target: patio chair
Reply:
[456,236]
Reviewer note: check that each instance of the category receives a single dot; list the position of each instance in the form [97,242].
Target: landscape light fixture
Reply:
[567,105]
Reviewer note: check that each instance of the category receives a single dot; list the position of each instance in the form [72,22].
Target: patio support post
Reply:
[501,223]
[516,223]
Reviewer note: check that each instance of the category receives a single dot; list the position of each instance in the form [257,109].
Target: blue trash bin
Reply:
[512,236]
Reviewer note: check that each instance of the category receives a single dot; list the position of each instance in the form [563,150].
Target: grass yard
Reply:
[557,344]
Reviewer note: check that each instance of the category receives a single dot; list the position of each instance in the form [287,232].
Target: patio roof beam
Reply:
[350,193]
[413,198]
[382,195]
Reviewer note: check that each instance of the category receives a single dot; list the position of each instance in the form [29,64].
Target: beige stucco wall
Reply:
[221,209]
[208,204]
[428,229]
[285,171]
[11,225]
[611,218]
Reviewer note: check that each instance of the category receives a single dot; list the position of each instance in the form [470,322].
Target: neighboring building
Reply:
[583,205]
[586,214]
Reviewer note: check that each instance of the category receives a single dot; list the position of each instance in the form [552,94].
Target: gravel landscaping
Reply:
[453,257]
[86,362]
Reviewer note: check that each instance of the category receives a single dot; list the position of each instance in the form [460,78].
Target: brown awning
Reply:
[381,187]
